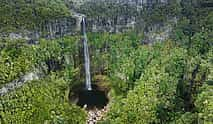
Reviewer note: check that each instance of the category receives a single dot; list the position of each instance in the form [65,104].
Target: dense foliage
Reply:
[166,82]
[18,57]
[45,100]
[15,59]
[41,101]
[29,14]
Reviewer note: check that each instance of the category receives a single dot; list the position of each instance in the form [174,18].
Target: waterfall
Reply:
[86,56]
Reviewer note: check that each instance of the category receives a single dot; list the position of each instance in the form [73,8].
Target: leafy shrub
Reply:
[42,101]
[16,58]
[204,105]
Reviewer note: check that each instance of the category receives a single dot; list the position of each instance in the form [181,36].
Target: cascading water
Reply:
[86,56]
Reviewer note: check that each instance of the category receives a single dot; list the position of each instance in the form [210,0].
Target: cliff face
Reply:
[102,16]
[49,29]
[117,15]
[133,2]
[141,2]
[34,18]
[113,25]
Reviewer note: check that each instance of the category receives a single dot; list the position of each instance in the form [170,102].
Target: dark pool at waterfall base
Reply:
[92,98]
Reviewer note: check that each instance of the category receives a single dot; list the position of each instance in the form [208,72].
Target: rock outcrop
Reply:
[49,29]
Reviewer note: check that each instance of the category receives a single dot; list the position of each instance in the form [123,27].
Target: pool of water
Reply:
[92,99]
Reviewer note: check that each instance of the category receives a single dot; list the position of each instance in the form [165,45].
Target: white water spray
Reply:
[86,56]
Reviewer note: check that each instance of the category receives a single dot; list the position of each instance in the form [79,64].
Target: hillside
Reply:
[106,62]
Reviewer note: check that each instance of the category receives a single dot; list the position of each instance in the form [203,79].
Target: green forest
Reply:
[146,80]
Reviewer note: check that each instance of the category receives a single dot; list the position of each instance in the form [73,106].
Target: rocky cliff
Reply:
[49,29]
[118,15]
[102,16]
